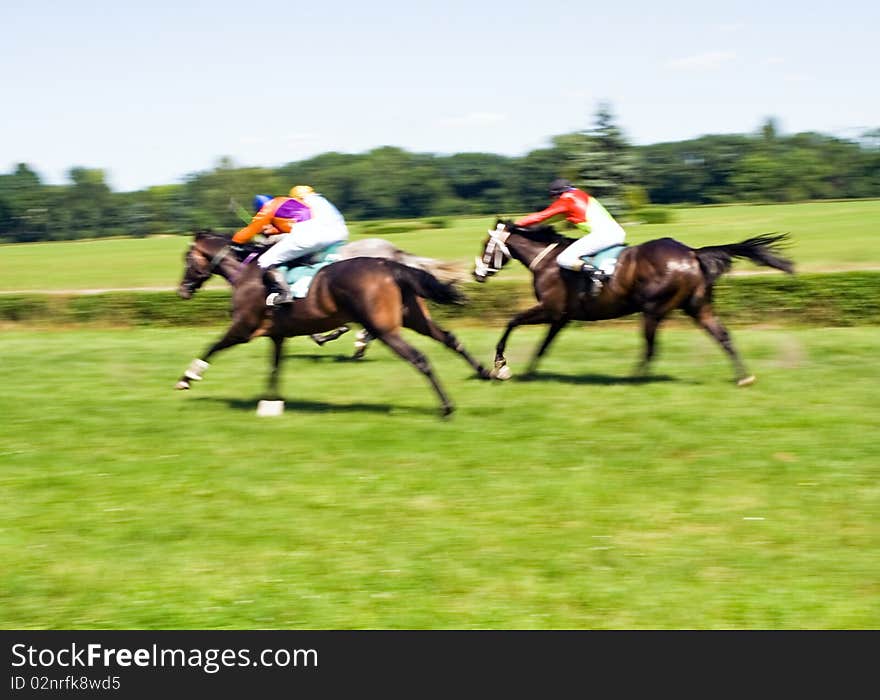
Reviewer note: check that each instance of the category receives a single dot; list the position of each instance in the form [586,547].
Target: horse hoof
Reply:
[746,381]
[503,373]
[182,384]
[446,411]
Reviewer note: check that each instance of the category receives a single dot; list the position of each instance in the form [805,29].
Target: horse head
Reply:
[201,259]
[495,254]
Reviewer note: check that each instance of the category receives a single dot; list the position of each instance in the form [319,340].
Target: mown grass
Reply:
[581,499]
[825,236]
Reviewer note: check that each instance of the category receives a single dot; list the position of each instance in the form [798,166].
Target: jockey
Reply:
[307,222]
[590,217]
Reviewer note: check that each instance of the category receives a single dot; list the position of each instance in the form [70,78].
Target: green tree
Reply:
[86,206]
[605,163]
[534,171]
[27,200]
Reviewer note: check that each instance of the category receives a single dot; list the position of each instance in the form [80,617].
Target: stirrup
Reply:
[278,299]
[592,283]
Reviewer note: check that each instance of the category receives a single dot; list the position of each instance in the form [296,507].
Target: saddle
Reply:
[300,275]
[605,260]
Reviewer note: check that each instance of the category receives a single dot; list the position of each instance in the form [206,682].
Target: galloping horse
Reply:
[654,278]
[381,295]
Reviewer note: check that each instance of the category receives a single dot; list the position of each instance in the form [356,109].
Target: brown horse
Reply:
[654,278]
[381,295]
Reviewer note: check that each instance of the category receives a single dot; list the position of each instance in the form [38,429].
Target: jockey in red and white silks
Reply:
[588,215]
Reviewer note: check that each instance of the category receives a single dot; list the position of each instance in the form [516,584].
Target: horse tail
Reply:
[425,285]
[715,260]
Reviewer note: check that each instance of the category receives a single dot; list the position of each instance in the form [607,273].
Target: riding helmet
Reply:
[560,185]
[260,201]
[300,192]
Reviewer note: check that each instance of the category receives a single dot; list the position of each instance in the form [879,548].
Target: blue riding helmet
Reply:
[260,201]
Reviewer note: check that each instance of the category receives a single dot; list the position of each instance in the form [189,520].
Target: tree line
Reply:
[392,183]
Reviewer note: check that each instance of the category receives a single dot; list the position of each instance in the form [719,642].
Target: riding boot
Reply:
[592,279]
[279,290]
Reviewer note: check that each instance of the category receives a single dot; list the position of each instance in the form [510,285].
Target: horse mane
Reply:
[542,233]
[211,234]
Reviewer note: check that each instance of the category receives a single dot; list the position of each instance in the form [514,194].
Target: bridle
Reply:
[495,254]
[218,258]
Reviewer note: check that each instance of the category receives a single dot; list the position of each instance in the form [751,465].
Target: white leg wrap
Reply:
[195,369]
[362,338]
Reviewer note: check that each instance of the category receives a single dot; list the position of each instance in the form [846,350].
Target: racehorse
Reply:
[382,295]
[654,278]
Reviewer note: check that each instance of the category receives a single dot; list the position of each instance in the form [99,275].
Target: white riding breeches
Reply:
[325,228]
[588,245]
[604,232]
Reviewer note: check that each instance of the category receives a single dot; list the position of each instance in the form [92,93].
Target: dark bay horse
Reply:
[653,278]
[381,295]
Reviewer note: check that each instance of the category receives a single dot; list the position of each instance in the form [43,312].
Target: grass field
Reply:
[580,499]
[826,236]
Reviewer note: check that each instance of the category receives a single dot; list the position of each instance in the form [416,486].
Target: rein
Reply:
[540,256]
[244,263]
[218,258]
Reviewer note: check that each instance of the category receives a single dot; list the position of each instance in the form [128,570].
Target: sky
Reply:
[151,92]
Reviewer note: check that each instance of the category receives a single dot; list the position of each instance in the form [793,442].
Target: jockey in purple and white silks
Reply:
[309,223]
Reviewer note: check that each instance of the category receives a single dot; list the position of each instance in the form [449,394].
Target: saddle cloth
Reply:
[605,259]
[300,277]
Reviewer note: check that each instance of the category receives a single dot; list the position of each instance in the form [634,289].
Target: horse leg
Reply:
[555,327]
[532,316]
[393,340]
[362,340]
[705,317]
[327,337]
[419,320]
[650,322]
[236,335]
[272,393]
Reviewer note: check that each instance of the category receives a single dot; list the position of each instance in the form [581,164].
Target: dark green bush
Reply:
[654,215]
[839,299]
[437,222]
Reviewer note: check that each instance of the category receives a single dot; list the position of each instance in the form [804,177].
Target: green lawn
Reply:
[578,500]
[826,236]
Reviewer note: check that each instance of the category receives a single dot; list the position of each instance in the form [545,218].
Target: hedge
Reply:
[838,299]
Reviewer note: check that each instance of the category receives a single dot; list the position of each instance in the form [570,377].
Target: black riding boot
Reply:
[592,279]
[279,290]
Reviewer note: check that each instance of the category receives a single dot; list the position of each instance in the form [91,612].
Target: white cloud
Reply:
[478,119]
[701,61]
